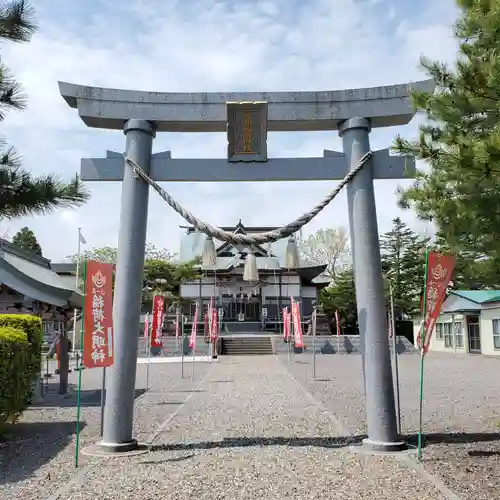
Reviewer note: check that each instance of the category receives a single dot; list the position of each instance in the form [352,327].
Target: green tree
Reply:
[20,192]
[109,254]
[403,258]
[460,141]
[341,296]
[161,274]
[26,239]
[327,246]
[473,270]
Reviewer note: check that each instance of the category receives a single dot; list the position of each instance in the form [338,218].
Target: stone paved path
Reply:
[250,432]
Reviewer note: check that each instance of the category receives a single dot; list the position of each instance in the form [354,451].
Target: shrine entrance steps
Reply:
[243,345]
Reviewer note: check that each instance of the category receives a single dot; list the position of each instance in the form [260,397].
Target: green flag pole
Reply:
[78,404]
[422,343]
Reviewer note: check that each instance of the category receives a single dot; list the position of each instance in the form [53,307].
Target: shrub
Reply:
[32,327]
[15,374]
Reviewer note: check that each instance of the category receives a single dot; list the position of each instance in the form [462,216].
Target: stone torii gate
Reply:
[246,118]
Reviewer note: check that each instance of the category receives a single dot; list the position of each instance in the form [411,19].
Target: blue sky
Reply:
[210,45]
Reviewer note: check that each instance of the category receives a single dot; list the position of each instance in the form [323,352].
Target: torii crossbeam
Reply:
[247,117]
[163,168]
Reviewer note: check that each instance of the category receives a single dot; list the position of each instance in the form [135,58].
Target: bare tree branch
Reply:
[327,246]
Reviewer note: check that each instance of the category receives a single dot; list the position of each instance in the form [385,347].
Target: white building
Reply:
[469,323]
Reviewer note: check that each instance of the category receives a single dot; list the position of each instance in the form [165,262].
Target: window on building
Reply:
[439,331]
[448,335]
[496,333]
[459,334]
[50,326]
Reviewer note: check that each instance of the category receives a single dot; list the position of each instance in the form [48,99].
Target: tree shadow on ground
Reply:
[190,390]
[483,453]
[27,446]
[453,438]
[88,398]
[243,442]
[324,442]
[168,460]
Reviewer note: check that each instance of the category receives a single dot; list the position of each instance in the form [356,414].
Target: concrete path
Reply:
[250,431]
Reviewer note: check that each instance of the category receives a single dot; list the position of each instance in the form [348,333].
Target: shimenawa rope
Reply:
[256,238]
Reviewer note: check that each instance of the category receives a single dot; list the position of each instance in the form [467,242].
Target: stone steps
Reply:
[247,346]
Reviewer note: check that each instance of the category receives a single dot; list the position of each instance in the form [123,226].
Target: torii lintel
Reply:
[332,166]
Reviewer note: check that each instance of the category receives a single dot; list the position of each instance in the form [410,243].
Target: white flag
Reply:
[82,239]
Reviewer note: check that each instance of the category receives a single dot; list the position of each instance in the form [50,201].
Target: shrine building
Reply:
[249,306]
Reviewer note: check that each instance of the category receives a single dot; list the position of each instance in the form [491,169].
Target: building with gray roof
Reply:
[245,303]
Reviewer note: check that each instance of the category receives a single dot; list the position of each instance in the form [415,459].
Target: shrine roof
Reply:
[269,257]
[32,275]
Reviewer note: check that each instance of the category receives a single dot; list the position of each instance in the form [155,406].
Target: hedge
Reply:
[32,327]
[15,374]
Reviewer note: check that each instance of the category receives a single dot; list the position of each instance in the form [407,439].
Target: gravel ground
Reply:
[38,457]
[461,420]
[252,432]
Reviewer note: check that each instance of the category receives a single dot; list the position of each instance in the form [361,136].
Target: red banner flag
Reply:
[157,324]
[206,326]
[286,324]
[192,340]
[177,329]
[337,323]
[58,354]
[146,325]
[98,340]
[439,272]
[215,325]
[297,326]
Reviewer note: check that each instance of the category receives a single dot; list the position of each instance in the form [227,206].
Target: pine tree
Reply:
[403,258]
[26,239]
[473,270]
[20,192]
[459,189]
[341,296]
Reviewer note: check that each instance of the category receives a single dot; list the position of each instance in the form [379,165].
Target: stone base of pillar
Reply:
[370,447]
[102,449]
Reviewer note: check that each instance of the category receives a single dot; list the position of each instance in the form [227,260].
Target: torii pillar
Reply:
[352,112]
[118,412]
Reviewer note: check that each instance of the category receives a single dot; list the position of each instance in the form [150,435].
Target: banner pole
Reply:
[77,285]
[289,326]
[313,326]
[422,344]
[396,367]
[103,397]
[194,357]
[150,331]
[182,346]
[78,396]
[210,321]
[193,349]
[177,319]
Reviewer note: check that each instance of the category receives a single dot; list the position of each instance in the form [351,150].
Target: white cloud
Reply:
[209,45]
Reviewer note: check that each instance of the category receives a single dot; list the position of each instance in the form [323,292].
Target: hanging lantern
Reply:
[292,260]
[250,272]
[209,256]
